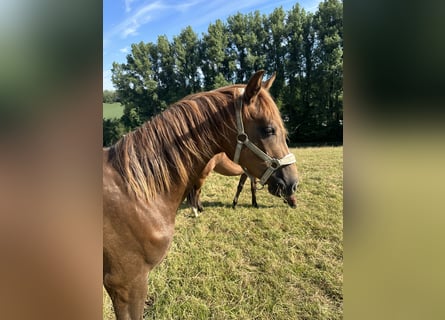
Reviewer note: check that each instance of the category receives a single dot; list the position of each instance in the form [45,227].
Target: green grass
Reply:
[268,263]
[112,110]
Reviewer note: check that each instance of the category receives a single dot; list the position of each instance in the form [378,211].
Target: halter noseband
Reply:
[273,164]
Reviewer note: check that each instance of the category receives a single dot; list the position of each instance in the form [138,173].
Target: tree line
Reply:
[110,96]
[304,49]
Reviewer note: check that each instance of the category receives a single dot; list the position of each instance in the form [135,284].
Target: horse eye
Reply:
[268,131]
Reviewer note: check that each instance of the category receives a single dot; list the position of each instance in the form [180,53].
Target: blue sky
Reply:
[131,21]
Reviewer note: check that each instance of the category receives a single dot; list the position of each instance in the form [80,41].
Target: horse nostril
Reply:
[294,187]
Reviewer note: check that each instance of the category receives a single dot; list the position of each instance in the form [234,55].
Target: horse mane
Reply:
[159,154]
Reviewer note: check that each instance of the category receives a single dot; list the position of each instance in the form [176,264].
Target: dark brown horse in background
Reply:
[222,165]
[147,173]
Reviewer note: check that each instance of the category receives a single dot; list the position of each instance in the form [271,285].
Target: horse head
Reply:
[261,147]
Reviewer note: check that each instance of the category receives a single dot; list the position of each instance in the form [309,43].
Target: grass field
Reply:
[268,263]
[112,110]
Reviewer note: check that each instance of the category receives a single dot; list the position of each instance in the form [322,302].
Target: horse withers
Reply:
[147,172]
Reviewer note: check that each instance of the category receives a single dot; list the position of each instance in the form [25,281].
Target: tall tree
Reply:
[214,45]
[258,40]
[238,43]
[328,56]
[294,65]
[276,50]
[186,54]
[136,86]
[167,84]
[304,49]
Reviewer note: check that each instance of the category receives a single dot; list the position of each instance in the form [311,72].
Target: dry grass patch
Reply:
[268,263]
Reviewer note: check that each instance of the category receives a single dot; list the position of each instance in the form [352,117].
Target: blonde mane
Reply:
[160,154]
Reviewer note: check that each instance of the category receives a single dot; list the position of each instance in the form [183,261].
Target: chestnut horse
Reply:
[147,173]
[222,165]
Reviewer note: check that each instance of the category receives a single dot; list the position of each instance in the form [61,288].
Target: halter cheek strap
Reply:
[273,164]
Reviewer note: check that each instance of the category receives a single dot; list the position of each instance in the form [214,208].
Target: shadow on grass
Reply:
[223,205]
[216,204]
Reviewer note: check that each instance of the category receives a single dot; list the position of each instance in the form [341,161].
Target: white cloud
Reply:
[131,30]
[184,6]
[142,15]
[131,25]
[124,50]
[128,5]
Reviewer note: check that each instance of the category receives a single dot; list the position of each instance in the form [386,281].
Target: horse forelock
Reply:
[159,155]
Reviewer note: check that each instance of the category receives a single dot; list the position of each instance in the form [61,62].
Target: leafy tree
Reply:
[296,74]
[238,46]
[277,46]
[167,78]
[214,64]
[258,41]
[109,96]
[220,81]
[113,129]
[328,69]
[136,85]
[304,49]
[186,54]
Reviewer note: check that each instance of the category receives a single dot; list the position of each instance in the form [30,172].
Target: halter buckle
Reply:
[275,164]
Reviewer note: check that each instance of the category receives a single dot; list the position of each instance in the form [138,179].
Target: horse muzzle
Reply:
[284,189]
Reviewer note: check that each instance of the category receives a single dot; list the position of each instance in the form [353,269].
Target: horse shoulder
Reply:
[134,225]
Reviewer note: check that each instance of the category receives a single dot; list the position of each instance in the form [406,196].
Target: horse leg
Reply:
[194,195]
[253,191]
[193,201]
[198,200]
[129,301]
[242,180]
[127,288]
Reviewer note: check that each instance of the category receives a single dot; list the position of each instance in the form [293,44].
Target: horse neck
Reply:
[188,136]
[211,144]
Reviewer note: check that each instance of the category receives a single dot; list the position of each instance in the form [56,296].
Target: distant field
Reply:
[112,110]
[268,263]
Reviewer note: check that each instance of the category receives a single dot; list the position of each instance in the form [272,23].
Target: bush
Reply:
[113,130]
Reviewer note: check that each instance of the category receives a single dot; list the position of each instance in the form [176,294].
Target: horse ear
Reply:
[268,83]
[253,86]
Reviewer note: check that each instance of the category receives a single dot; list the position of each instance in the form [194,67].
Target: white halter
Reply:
[273,164]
